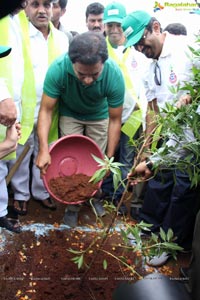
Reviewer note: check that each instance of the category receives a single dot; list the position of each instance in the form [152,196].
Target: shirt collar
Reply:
[33,30]
[166,50]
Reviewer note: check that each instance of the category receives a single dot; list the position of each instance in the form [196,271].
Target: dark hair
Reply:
[176,28]
[88,48]
[63,3]
[74,33]
[150,24]
[9,6]
[94,8]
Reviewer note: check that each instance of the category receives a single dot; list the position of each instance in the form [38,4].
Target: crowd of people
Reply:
[110,84]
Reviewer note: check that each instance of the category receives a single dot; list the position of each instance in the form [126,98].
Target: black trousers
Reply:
[194,270]
[170,202]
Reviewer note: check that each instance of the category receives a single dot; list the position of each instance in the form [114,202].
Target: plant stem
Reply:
[123,262]
[107,231]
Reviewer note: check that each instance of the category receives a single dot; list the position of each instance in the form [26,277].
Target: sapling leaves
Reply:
[107,165]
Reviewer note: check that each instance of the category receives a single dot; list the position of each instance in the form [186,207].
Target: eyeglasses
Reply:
[157,74]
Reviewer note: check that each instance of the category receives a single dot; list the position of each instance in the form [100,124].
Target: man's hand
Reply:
[184,100]
[43,160]
[139,174]
[13,134]
[8,112]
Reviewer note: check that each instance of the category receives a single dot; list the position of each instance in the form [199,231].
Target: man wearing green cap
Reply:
[132,64]
[169,195]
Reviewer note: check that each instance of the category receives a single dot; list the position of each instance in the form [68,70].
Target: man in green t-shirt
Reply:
[89,90]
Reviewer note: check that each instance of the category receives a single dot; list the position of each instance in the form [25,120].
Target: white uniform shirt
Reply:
[136,63]
[39,56]
[4,92]
[17,63]
[175,67]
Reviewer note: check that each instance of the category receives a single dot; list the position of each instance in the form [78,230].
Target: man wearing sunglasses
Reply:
[169,196]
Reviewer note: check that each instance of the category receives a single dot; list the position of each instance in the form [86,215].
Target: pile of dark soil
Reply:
[73,188]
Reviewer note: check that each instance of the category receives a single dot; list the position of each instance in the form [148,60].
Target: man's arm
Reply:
[8,112]
[9,144]
[43,127]
[114,130]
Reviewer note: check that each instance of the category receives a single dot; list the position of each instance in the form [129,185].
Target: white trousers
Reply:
[26,181]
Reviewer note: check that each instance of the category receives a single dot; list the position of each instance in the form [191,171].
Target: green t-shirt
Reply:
[78,100]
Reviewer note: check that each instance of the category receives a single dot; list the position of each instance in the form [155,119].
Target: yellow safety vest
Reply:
[5,72]
[28,95]
[133,123]
[28,90]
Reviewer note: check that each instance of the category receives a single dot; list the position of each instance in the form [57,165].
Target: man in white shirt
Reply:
[41,44]
[58,10]
[169,201]
[132,64]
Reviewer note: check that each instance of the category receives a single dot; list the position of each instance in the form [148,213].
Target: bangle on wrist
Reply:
[149,164]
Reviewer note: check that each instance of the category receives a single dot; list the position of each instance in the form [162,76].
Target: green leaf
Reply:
[75,259]
[99,160]
[80,262]
[105,264]
[74,251]
[98,175]
[111,160]
[162,234]
[172,246]
[116,181]
[170,234]
[154,237]
[123,234]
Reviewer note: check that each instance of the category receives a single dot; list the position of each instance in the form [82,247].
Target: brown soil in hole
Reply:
[72,188]
[41,268]
[36,267]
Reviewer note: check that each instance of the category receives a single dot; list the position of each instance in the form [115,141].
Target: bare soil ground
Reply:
[36,264]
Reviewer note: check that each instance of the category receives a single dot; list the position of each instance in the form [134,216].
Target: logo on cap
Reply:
[128,31]
[113,12]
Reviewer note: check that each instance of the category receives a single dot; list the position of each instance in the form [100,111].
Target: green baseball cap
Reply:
[114,12]
[134,25]
[4,51]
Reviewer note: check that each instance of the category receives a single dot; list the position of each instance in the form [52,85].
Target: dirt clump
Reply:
[73,188]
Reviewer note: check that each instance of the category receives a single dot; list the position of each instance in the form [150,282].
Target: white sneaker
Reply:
[158,261]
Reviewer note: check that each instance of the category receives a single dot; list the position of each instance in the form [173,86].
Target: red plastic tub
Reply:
[72,154]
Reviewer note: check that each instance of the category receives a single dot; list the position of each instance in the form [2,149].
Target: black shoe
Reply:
[98,206]
[70,218]
[11,213]
[184,272]
[135,213]
[122,209]
[9,225]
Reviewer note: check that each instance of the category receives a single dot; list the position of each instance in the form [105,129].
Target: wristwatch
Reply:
[149,164]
